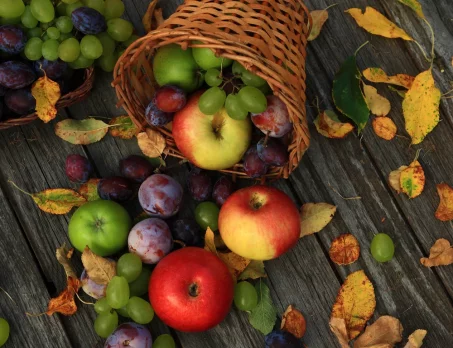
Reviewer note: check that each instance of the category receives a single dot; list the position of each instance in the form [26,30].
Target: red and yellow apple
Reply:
[212,142]
[259,222]
[191,290]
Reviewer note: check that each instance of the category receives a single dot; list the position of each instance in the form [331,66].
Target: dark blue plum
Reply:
[156,117]
[136,168]
[15,75]
[281,339]
[187,231]
[78,168]
[20,101]
[199,184]
[88,21]
[272,152]
[115,188]
[12,39]
[223,188]
[54,70]
[254,167]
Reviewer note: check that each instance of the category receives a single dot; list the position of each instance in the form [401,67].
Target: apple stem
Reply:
[193,290]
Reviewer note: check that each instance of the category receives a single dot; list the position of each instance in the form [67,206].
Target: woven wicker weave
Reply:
[268,37]
[68,99]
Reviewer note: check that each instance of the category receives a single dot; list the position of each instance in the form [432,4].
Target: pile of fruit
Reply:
[212,103]
[56,39]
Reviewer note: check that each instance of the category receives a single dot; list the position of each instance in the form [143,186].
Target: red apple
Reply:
[212,142]
[259,222]
[191,290]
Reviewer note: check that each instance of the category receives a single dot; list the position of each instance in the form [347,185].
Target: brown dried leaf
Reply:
[386,330]
[63,255]
[378,105]
[394,179]
[151,142]
[444,211]
[378,75]
[328,125]
[64,303]
[89,190]
[314,217]
[125,128]
[384,127]
[344,249]
[293,322]
[338,327]
[100,270]
[440,254]
[416,339]
[319,17]
[152,17]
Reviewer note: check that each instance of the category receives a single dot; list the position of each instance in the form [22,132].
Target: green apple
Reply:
[174,66]
[212,142]
[206,58]
[101,225]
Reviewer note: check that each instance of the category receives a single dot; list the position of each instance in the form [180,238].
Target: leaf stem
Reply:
[423,51]
[358,49]
[84,302]
[433,39]
[8,295]
[21,190]
[448,92]
[330,6]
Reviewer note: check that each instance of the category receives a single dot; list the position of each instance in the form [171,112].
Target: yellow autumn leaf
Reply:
[421,107]
[384,128]
[319,17]
[394,179]
[314,217]
[440,254]
[412,179]
[386,331]
[46,92]
[328,125]
[416,339]
[355,303]
[444,211]
[415,5]
[378,75]
[378,105]
[376,23]
[151,142]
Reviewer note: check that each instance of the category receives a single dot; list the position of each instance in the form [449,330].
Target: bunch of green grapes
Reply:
[247,92]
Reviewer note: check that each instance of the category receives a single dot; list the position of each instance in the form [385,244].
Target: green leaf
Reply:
[254,270]
[157,162]
[348,96]
[81,132]
[415,5]
[264,315]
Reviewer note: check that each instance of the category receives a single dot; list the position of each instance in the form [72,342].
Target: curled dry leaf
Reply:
[152,17]
[355,303]
[100,270]
[378,105]
[314,217]
[394,179]
[415,5]
[81,132]
[319,17]
[444,211]
[63,255]
[294,322]
[328,125]
[440,254]
[421,107]
[46,92]
[384,127]
[412,179]
[254,270]
[123,127]
[64,303]
[89,189]
[151,142]
[376,23]
[344,249]
[338,327]
[386,331]
[378,75]
[416,339]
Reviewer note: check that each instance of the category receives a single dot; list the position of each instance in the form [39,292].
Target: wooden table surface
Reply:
[422,298]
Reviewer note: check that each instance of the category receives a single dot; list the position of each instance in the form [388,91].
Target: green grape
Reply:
[73,6]
[119,29]
[266,89]
[251,79]
[27,18]
[207,215]
[6,21]
[139,286]
[70,1]
[61,9]
[53,33]
[382,247]
[140,310]
[42,10]
[117,292]
[50,49]
[102,306]
[106,323]
[131,39]
[45,26]
[234,107]
[11,8]
[33,48]
[252,99]
[108,44]
[91,47]
[123,312]
[164,341]
[64,36]
[245,296]
[64,24]
[34,32]
[81,62]
[237,68]
[129,266]
[113,9]
[107,63]
[212,100]
[4,331]
[69,50]
[98,5]
[212,77]
[45,37]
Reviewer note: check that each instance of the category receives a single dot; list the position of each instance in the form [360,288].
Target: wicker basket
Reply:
[68,99]
[268,37]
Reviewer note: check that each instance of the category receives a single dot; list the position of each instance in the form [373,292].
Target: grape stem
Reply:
[80,299]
